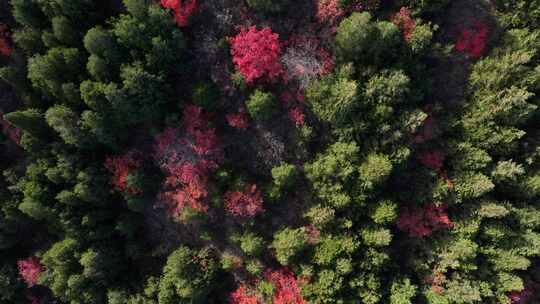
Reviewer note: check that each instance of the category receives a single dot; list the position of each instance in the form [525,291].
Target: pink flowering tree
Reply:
[472,41]
[245,204]
[404,22]
[187,156]
[30,270]
[256,54]
[421,222]
[182,9]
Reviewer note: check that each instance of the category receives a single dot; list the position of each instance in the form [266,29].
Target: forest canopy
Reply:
[269,151]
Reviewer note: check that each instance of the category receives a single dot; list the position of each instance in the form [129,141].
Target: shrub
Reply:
[286,289]
[246,204]
[182,9]
[473,41]
[30,270]
[120,167]
[238,120]
[404,21]
[421,222]
[261,105]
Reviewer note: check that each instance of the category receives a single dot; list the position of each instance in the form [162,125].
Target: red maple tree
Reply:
[6,44]
[120,167]
[244,204]
[328,11]
[404,22]
[473,41]
[256,54]
[187,156]
[183,9]
[286,290]
[29,270]
[421,222]
[243,295]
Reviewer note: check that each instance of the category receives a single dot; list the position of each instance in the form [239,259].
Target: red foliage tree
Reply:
[238,120]
[473,41]
[328,11]
[29,270]
[6,44]
[297,116]
[243,295]
[256,54]
[286,290]
[524,295]
[244,204]
[432,159]
[421,222]
[183,9]
[120,167]
[404,22]
[187,156]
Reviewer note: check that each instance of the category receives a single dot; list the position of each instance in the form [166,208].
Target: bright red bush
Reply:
[473,41]
[29,270]
[432,159]
[286,290]
[120,167]
[243,295]
[328,11]
[404,22]
[421,222]
[244,204]
[256,54]
[6,44]
[183,9]
[187,158]
[238,120]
